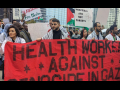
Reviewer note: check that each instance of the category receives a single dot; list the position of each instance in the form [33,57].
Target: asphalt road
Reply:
[1,76]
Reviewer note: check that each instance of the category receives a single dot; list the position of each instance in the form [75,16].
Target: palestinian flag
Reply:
[71,18]
[39,18]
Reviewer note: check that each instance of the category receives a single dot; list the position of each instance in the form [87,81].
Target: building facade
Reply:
[1,13]
[17,14]
[95,10]
[6,13]
[111,18]
[43,12]
[58,13]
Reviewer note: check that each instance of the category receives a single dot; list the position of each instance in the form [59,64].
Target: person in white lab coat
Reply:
[96,34]
[113,35]
[13,35]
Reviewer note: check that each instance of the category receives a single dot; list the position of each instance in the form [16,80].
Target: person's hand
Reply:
[117,40]
[67,38]
[93,38]
[83,38]
[23,15]
[39,39]
[8,41]
[106,39]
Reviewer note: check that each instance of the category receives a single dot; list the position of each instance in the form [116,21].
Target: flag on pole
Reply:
[71,18]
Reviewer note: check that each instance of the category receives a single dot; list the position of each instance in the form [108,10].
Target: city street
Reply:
[1,76]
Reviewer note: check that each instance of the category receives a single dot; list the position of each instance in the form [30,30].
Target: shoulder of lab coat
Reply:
[118,38]
[2,37]
[22,40]
[89,37]
[2,47]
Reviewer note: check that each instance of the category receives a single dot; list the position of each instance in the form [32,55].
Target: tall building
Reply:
[6,13]
[111,18]
[1,13]
[17,14]
[94,14]
[43,12]
[58,13]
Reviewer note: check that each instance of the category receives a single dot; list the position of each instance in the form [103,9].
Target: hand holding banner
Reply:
[63,60]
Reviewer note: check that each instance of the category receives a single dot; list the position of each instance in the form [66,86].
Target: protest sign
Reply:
[62,60]
[83,17]
[31,13]
[102,15]
[40,28]
[6,21]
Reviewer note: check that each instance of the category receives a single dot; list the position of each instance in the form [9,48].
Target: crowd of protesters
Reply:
[18,32]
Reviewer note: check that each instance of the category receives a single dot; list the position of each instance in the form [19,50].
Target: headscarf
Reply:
[5,29]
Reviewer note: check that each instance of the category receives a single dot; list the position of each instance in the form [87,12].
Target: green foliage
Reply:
[31,21]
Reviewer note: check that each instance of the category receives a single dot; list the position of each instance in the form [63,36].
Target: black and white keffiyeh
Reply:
[93,35]
[49,35]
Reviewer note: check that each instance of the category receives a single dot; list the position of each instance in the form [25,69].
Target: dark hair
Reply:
[56,20]
[112,27]
[52,19]
[91,29]
[81,35]
[107,31]
[16,29]
[24,23]
[71,33]
[118,31]
[13,21]
[18,25]
[95,24]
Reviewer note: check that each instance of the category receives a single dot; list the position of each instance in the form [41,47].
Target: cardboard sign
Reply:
[6,21]
[102,15]
[38,30]
[62,60]
[31,13]
[83,17]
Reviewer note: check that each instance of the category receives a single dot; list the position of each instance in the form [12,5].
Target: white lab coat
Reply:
[110,37]
[17,40]
[93,35]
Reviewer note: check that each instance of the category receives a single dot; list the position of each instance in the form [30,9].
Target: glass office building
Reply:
[58,13]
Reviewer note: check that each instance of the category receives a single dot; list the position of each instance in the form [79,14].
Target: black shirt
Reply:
[98,37]
[56,34]
[13,41]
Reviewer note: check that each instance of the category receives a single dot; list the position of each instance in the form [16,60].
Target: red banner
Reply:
[62,60]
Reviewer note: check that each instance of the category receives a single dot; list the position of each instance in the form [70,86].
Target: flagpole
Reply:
[66,20]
